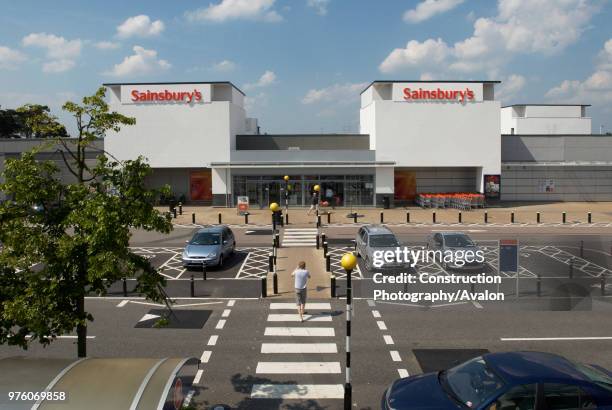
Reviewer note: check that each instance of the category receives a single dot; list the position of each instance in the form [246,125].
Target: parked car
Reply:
[210,245]
[372,238]
[506,381]
[455,242]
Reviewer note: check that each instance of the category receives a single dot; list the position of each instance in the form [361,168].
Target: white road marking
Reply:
[381,325]
[300,331]
[188,398]
[294,317]
[297,391]
[395,356]
[231,303]
[476,304]
[198,304]
[226,312]
[403,373]
[371,303]
[376,313]
[242,266]
[123,303]
[149,316]
[298,368]
[311,306]
[524,339]
[299,348]
[220,324]
[146,303]
[213,340]
[388,339]
[205,356]
[198,376]
[64,337]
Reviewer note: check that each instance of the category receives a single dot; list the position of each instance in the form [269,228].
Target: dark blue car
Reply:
[506,381]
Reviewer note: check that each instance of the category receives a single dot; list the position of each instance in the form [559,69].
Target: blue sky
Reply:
[302,63]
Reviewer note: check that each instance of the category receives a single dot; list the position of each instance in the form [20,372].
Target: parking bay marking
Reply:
[535,339]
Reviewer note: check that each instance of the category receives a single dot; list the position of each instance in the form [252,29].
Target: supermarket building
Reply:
[415,137]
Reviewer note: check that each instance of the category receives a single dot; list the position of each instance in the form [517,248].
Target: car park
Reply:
[457,243]
[210,245]
[372,238]
[506,381]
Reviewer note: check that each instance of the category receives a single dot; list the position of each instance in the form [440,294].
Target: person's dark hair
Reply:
[302,265]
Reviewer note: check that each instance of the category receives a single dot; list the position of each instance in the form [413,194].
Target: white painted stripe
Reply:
[297,391]
[198,376]
[376,313]
[521,339]
[123,303]
[294,317]
[213,340]
[231,303]
[395,356]
[205,356]
[188,398]
[403,373]
[299,331]
[299,234]
[242,266]
[388,339]
[298,245]
[381,325]
[371,303]
[220,324]
[291,230]
[298,368]
[64,337]
[298,348]
[226,312]
[476,304]
[299,240]
[311,306]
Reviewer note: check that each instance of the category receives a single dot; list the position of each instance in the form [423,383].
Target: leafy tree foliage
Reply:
[30,121]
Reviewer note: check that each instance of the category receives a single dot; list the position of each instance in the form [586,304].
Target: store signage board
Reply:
[462,93]
[188,94]
[242,204]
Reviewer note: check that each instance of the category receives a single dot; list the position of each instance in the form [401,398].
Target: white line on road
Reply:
[197,304]
[388,339]
[213,340]
[298,348]
[311,306]
[188,398]
[231,303]
[198,376]
[242,266]
[376,313]
[298,368]
[205,356]
[476,304]
[525,339]
[395,356]
[64,337]
[299,331]
[294,317]
[146,303]
[297,391]
[220,324]
[403,373]
[371,303]
[226,312]
[123,303]
[381,325]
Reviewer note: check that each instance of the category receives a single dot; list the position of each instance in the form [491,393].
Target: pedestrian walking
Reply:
[314,202]
[301,276]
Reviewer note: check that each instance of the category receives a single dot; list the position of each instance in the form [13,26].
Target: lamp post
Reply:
[286,178]
[348,262]
[274,207]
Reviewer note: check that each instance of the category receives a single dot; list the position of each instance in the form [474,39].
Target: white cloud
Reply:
[520,26]
[266,79]
[143,61]
[10,59]
[107,45]
[335,93]
[605,56]
[429,52]
[224,66]
[319,5]
[429,8]
[140,26]
[60,51]
[236,10]
[253,103]
[510,86]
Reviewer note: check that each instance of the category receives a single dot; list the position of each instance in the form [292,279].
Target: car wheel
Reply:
[220,264]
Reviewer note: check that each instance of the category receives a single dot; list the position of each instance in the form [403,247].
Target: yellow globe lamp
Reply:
[286,177]
[317,188]
[348,261]
[274,207]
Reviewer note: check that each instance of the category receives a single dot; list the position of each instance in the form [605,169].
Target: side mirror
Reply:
[186,241]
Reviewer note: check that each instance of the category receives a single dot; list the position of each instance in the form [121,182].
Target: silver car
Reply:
[371,238]
[455,242]
[211,245]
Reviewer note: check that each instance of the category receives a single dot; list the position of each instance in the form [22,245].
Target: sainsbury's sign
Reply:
[166,95]
[187,94]
[448,92]
[438,94]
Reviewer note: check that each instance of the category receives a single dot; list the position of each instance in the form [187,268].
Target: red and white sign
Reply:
[177,394]
[187,94]
[438,92]
[166,95]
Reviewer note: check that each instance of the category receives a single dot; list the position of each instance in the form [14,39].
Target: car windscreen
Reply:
[595,375]
[457,241]
[383,241]
[472,382]
[206,238]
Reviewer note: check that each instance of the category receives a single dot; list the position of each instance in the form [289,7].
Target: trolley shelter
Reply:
[96,384]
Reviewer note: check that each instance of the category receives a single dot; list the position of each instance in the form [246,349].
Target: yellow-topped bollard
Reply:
[286,178]
[348,261]
[317,188]
[274,207]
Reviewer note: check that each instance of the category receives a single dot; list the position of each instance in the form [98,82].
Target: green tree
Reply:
[79,243]
[37,122]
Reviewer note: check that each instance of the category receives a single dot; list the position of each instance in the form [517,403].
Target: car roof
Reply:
[378,230]
[452,233]
[212,229]
[532,367]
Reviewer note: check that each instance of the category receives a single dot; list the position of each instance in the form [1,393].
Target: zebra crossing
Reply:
[294,237]
[304,353]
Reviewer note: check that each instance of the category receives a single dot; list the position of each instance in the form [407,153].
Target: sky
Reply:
[303,63]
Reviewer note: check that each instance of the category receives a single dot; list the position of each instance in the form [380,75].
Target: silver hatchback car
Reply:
[211,245]
[455,241]
[372,238]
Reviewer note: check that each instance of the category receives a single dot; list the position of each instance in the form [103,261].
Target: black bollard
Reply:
[277,239]
[203,270]
[328,263]
[275,283]
[264,287]
[317,241]
[486,217]
[589,219]
[246,218]
[382,217]
[174,212]
[512,217]
[273,223]
[192,286]
[433,216]
[407,217]
[563,217]
[355,217]
[323,237]
[537,217]
[460,217]
[324,249]
[286,218]
[124,286]
[318,221]
[333,286]
[270,263]
[193,218]
[328,218]
[220,219]
[180,208]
